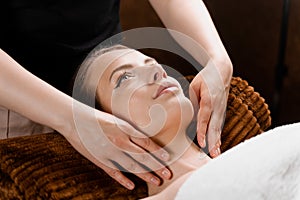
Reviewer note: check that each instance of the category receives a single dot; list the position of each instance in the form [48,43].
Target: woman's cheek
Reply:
[131,106]
[120,104]
[149,116]
[139,110]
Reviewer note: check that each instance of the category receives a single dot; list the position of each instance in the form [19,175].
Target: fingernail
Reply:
[216,152]
[165,156]
[130,185]
[203,143]
[166,173]
[155,180]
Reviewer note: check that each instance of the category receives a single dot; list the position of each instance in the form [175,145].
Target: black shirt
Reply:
[51,38]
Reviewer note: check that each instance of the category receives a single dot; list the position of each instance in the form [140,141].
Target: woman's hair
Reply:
[84,89]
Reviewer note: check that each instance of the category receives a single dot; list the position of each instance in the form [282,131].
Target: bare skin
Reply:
[192,19]
[28,95]
[23,92]
[134,84]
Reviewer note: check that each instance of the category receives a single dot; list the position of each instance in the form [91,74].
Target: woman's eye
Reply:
[122,78]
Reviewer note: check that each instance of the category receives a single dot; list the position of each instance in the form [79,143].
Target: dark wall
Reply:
[250,31]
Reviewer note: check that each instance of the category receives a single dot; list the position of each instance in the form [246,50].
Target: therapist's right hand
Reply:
[106,140]
[100,137]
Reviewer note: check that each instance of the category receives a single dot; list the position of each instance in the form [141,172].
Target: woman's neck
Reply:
[186,157]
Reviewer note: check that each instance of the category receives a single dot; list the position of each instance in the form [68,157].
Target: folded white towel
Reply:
[264,167]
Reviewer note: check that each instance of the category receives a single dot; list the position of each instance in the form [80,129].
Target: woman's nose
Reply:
[157,73]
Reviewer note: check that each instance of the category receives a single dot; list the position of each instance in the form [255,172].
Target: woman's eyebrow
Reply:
[129,66]
[150,60]
[122,67]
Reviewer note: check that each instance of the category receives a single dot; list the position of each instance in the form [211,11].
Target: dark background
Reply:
[250,31]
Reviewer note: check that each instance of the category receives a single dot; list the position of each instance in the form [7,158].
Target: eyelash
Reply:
[127,74]
[124,76]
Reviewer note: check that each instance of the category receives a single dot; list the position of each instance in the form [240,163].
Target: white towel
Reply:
[264,167]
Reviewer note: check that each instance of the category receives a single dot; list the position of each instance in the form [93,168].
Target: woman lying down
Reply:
[137,89]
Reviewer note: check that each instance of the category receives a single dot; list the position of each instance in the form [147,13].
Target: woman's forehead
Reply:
[132,57]
[123,57]
[110,57]
[115,58]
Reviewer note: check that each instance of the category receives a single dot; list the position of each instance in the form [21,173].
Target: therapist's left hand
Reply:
[210,87]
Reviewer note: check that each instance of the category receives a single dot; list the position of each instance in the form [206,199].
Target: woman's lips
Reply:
[165,88]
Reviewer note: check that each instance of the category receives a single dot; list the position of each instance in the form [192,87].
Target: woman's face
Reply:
[136,88]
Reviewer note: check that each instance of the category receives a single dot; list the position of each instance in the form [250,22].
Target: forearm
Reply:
[192,19]
[28,95]
[94,133]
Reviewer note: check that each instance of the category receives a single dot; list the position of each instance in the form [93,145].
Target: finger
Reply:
[150,146]
[214,142]
[143,141]
[215,151]
[107,166]
[118,176]
[214,135]
[126,128]
[215,129]
[132,145]
[146,159]
[194,95]
[203,119]
[132,166]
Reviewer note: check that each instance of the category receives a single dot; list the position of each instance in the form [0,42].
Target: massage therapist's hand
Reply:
[211,87]
[81,125]
[106,140]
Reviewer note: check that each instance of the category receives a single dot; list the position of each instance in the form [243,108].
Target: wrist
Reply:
[77,117]
[61,117]
[225,68]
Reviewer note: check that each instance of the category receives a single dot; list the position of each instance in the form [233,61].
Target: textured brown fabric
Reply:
[47,167]
[247,114]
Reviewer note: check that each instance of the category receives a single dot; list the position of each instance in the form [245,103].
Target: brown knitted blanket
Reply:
[47,167]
